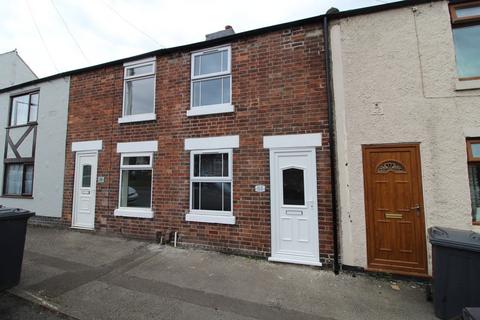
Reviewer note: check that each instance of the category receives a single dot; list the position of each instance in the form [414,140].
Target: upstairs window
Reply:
[24,109]
[473,153]
[139,91]
[211,80]
[466,35]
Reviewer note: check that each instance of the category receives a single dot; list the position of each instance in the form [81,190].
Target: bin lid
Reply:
[454,238]
[14,213]
[472,313]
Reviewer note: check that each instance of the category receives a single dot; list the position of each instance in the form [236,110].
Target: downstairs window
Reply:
[18,179]
[473,152]
[135,193]
[211,182]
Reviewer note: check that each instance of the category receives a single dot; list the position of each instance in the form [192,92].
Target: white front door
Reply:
[84,190]
[294,213]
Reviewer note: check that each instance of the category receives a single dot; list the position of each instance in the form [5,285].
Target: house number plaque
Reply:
[260,188]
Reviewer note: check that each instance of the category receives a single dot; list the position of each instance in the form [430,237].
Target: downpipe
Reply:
[331,138]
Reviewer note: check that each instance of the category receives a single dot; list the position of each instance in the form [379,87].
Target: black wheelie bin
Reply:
[456,270]
[13,227]
[471,314]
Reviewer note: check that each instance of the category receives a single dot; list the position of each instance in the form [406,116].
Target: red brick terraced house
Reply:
[221,144]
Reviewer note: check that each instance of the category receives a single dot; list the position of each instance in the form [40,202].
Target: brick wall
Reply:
[42,221]
[278,87]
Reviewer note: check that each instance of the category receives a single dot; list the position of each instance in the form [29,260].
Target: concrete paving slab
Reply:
[213,301]
[139,280]
[306,289]
[81,247]
[15,308]
[98,300]
[77,274]
[33,272]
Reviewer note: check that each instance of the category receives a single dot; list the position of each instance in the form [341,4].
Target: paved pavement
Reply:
[14,308]
[90,276]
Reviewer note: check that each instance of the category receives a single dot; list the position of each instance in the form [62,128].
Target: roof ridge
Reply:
[13,51]
[219,41]
[26,64]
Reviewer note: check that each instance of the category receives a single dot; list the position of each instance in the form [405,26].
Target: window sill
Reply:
[208,218]
[461,85]
[213,109]
[138,118]
[13,196]
[133,213]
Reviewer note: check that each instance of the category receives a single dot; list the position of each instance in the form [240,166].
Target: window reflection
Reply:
[293,187]
[467,47]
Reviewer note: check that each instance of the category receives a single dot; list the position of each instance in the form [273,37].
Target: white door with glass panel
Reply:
[84,191]
[294,206]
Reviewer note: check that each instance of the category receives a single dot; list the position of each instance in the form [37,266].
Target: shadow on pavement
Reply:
[15,308]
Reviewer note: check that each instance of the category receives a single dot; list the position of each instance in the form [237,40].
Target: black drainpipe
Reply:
[331,139]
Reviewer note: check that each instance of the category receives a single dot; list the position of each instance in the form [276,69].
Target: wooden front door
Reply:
[394,209]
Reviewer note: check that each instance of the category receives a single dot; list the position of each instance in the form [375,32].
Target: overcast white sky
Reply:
[110,29]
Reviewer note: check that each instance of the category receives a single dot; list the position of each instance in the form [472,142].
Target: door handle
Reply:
[417,209]
[310,204]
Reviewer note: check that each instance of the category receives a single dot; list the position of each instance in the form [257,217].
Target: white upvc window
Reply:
[211,183]
[211,82]
[211,179]
[139,91]
[135,192]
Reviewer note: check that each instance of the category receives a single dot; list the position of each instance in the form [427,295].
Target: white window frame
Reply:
[211,216]
[135,64]
[129,211]
[214,108]
[136,166]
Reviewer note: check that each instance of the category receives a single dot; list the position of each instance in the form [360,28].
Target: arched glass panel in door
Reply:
[293,186]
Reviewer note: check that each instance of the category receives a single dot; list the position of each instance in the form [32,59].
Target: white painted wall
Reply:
[50,149]
[394,77]
[13,70]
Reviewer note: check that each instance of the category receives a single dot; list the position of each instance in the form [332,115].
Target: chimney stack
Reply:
[228,31]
